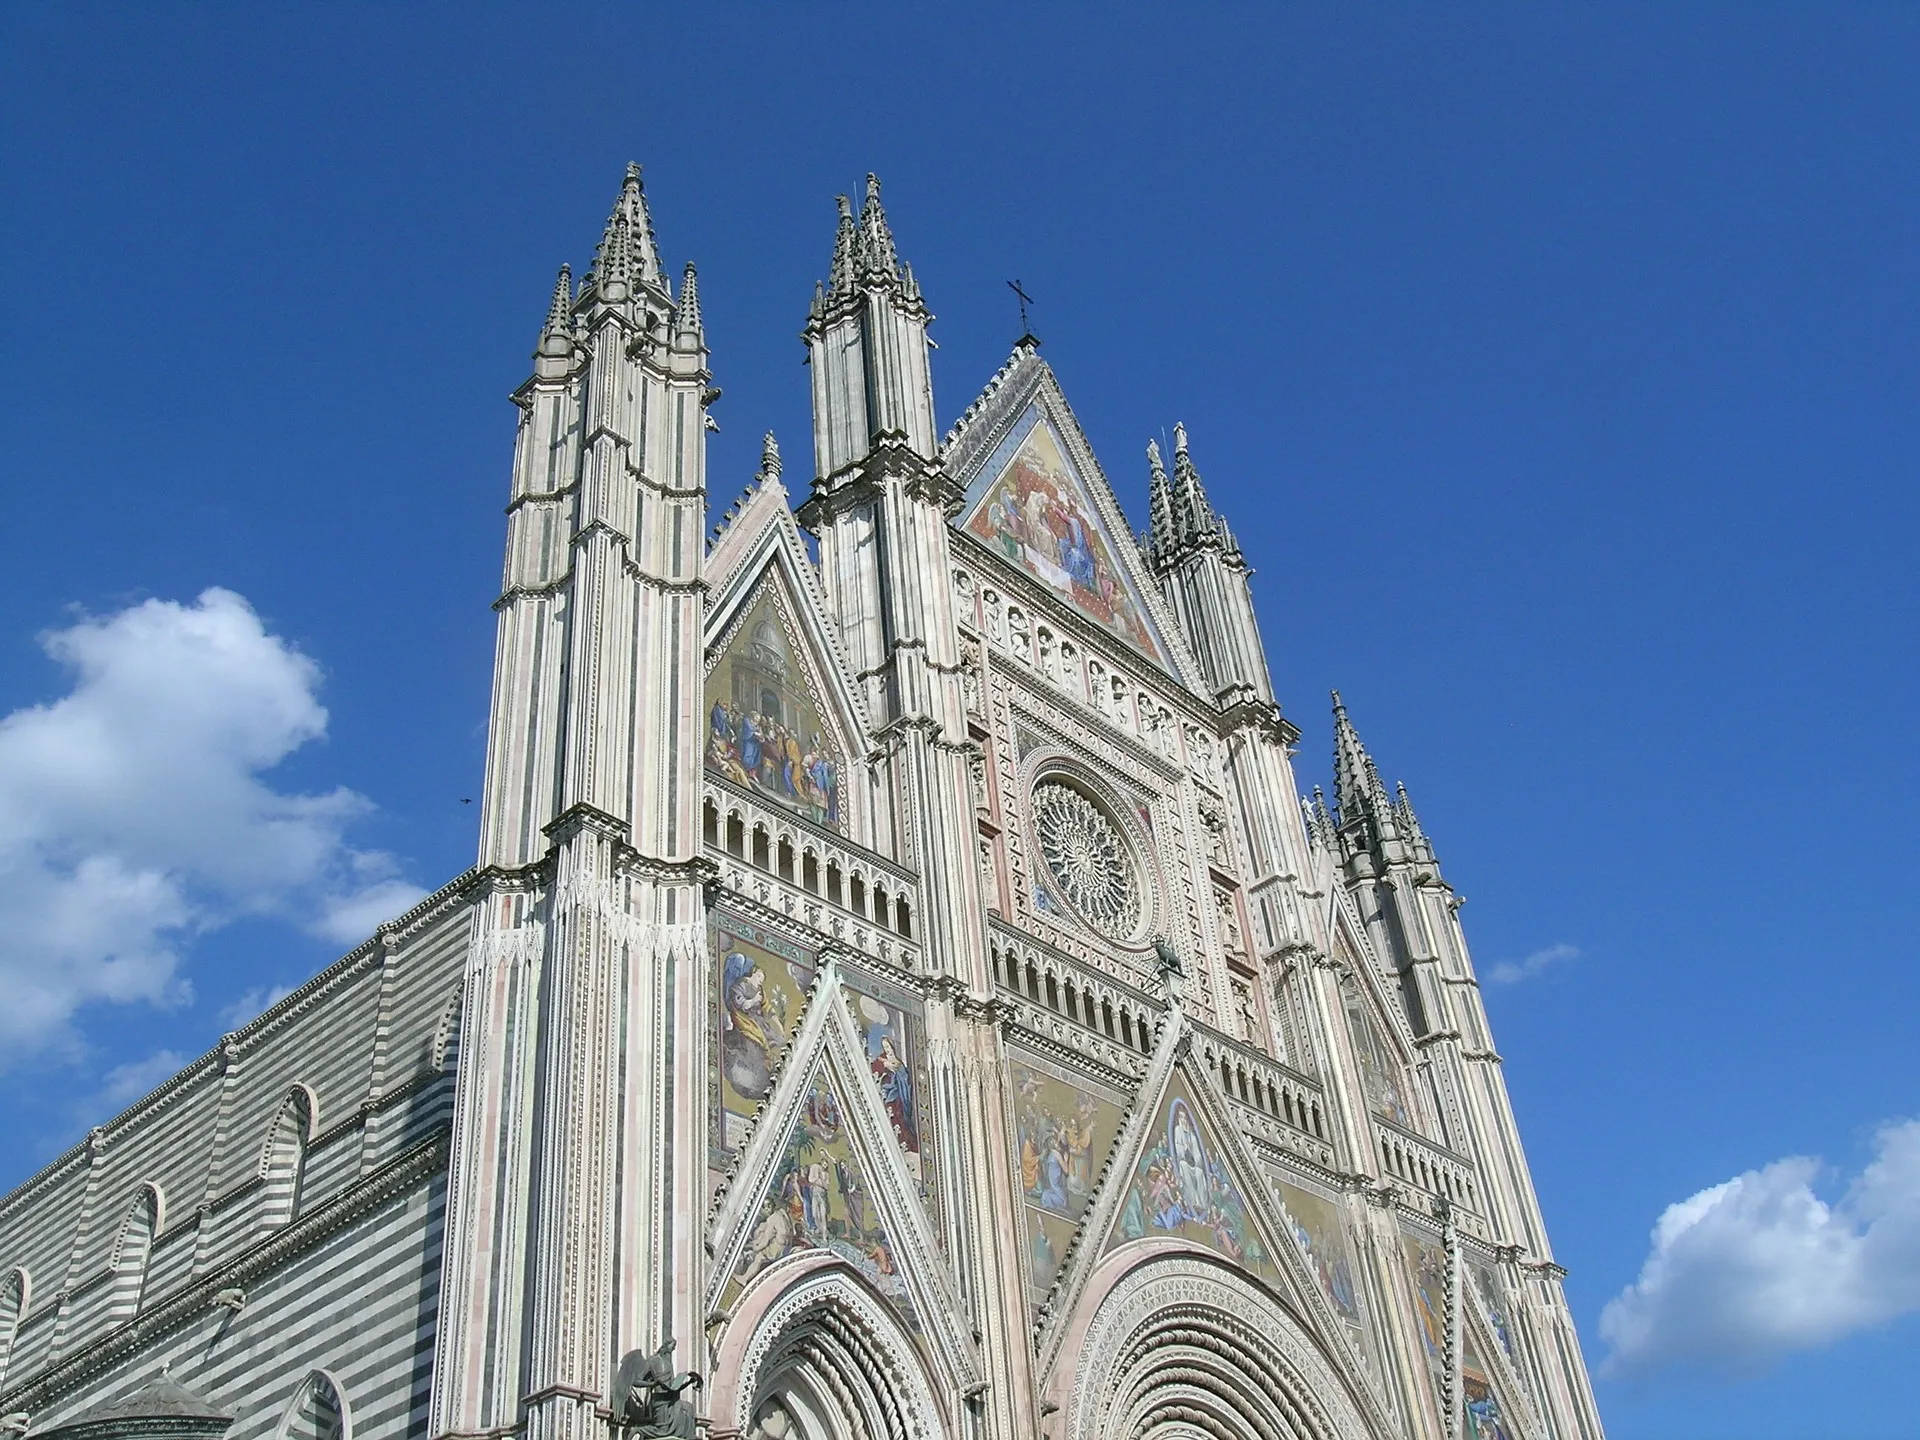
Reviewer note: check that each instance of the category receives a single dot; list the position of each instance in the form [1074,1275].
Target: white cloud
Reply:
[252,1003]
[1511,972]
[1758,1266]
[133,816]
[124,1084]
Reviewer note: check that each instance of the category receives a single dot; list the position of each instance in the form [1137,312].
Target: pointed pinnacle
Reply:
[877,255]
[562,300]
[845,239]
[627,251]
[1350,766]
[769,459]
[689,312]
[1192,515]
[1159,503]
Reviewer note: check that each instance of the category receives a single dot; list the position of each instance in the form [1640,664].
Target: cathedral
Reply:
[902,990]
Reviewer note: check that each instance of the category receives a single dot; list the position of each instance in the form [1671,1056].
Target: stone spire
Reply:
[867,342]
[1193,517]
[628,257]
[1159,506]
[846,241]
[687,327]
[769,470]
[878,260]
[556,336]
[1354,779]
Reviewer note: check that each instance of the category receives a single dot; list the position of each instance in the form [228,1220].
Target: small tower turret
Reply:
[1204,578]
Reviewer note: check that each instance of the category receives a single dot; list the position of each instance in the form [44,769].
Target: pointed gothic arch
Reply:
[132,1250]
[283,1158]
[318,1410]
[1182,1346]
[16,1293]
[826,1359]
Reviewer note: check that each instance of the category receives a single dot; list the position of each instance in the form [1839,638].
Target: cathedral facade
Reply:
[902,991]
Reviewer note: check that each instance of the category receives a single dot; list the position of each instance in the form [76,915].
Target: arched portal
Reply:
[1180,1348]
[827,1360]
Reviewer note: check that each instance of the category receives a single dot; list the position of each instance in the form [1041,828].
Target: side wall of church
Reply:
[272,1210]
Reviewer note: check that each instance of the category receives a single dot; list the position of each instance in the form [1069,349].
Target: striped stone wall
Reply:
[272,1211]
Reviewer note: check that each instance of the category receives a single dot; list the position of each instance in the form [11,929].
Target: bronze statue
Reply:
[647,1394]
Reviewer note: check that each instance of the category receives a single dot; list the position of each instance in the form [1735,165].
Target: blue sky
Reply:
[1557,367]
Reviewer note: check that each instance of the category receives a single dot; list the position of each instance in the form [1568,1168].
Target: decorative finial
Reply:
[1153,459]
[769,457]
[1179,438]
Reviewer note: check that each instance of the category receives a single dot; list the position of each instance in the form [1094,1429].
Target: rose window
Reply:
[1091,863]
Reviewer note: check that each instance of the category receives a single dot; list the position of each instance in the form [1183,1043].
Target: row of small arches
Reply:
[1059,660]
[281,1169]
[777,855]
[1121,1022]
[1278,1100]
[1411,1166]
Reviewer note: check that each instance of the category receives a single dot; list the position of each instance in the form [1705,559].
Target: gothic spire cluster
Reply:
[1183,520]
[628,257]
[864,255]
[1363,809]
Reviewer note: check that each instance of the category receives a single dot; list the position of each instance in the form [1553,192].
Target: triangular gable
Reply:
[1023,415]
[818,1198]
[1183,1187]
[1032,506]
[1240,1209]
[824,1176]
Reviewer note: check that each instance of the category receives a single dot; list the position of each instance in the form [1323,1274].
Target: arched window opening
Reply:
[1126,1027]
[710,823]
[15,1292]
[1106,1018]
[833,883]
[132,1250]
[881,909]
[810,871]
[283,1160]
[736,834]
[857,894]
[760,847]
[903,917]
[1053,992]
[1033,981]
[317,1411]
[786,858]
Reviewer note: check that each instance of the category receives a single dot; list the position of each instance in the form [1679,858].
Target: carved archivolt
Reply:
[829,1362]
[1182,1347]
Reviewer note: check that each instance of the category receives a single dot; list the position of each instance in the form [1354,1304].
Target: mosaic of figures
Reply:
[762,984]
[1427,1265]
[1033,507]
[763,729]
[1321,1234]
[1379,1068]
[1063,1134]
[1181,1186]
[820,1199]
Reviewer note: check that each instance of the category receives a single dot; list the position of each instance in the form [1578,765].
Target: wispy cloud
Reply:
[124,1084]
[1748,1270]
[133,816]
[252,1003]
[1512,972]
